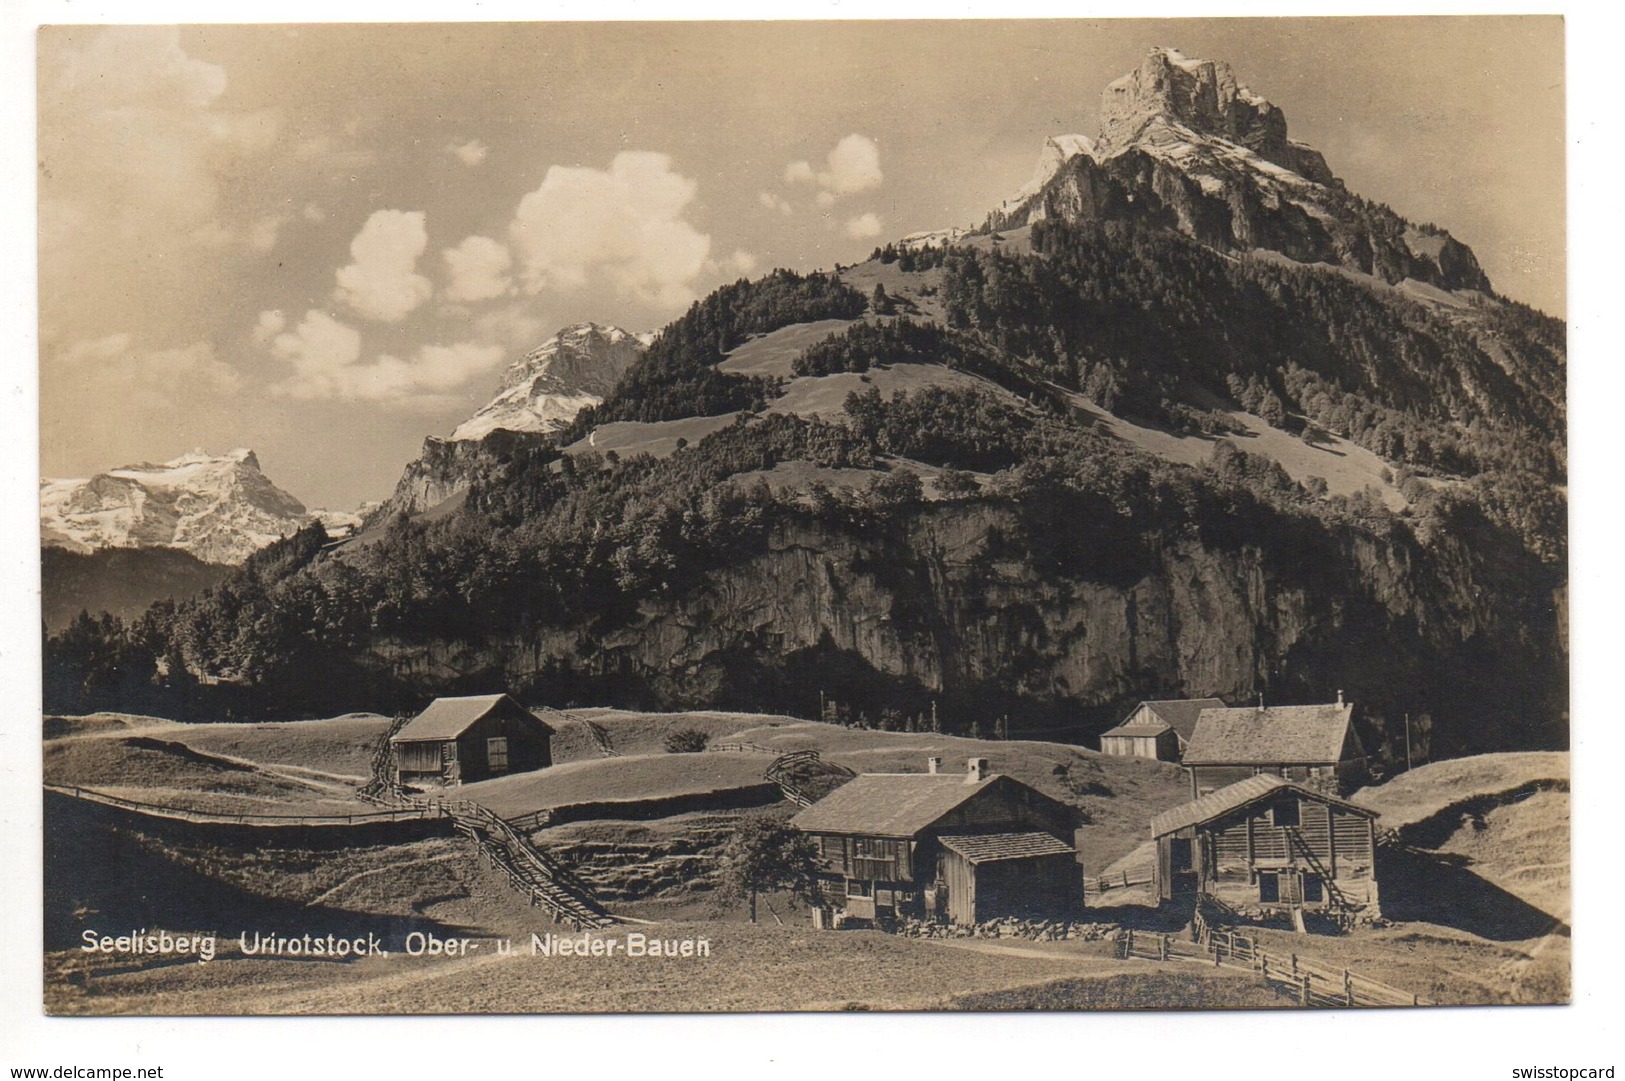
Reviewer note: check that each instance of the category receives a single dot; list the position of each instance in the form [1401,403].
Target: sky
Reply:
[326,242]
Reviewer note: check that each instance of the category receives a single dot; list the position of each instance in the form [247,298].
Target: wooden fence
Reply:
[183,814]
[1103,884]
[1315,983]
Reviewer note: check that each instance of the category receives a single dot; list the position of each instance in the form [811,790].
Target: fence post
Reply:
[1213,940]
[1304,995]
[1264,967]
[1348,988]
[1125,878]
[1129,952]
[1294,966]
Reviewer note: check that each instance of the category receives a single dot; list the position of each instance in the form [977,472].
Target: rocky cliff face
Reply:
[1184,145]
[547,387]
[220,509]
[951,608]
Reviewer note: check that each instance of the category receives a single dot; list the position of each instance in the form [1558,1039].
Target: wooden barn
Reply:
[1316,745]
[1157,729]
[461,740]
[1271,843]
[964,847]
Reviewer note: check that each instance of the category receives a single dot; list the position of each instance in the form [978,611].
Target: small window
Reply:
[1313,892]
[856,887]
[1284,813]
[1269,887]
[496,754]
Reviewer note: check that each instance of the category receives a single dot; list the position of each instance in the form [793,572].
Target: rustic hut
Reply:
[1316,745]
[460,740]
[1270,843]
[968,847]
[1157,729]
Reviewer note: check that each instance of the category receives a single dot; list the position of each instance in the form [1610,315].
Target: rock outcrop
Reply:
[1184,145]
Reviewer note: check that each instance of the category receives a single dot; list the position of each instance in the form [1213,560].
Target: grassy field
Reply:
[773,353]
[626,778]
[1430,789]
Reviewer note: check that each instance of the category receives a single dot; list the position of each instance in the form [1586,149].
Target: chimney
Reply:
[975,770]
[1339,696]
[933,764]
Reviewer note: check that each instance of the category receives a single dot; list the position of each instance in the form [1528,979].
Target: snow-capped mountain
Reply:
[219,508]
[547,387]
[1182,143]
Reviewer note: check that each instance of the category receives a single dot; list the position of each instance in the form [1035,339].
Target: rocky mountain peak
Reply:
[1170,89]
[219,507]
[544,390]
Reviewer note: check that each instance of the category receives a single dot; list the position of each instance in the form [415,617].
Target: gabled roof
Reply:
[889,804]
[1180,713]
[986,847]
[448,718]
[1140,729]
[1234,796]
[1279,735]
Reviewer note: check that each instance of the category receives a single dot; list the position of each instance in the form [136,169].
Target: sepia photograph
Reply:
[752,517]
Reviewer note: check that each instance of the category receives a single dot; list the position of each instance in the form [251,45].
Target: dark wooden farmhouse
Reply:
[1158,729]
[1313,744]
[1271,843]
[460,740]
[964,847]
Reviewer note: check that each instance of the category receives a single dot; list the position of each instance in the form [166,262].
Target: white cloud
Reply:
[863,226]
[326,359]
[738,264]
[517,325]
[479,269]
[321,349]
[852,166]
[825,200]
[149,377]
[313,213]
[471,153]
[271,323]
[624,224]
[774,201]
[382,284]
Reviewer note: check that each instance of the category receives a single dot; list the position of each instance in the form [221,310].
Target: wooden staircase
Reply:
[381,776]
[547,883]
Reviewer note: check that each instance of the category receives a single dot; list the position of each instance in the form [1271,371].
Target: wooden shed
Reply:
[1271,843]
[966,847]
[460,740]
[1158,729]
[1315,745]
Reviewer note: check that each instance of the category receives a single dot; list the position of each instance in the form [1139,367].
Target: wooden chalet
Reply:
[1271,843]
[964,847]
[1157,729]
[1316,745]
[460,740]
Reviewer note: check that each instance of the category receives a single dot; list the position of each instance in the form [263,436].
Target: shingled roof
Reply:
[986,847]
[448,718]
[889,804]
[1233,796]
[1278,735]
[1181,714]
